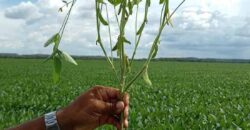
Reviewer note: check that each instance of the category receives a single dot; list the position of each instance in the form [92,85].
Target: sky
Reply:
[202,29]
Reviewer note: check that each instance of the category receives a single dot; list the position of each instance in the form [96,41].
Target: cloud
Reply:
[25,10]
[206,34]
[201,29]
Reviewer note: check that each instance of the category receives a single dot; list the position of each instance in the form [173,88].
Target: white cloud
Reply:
[25,10]
[201,29]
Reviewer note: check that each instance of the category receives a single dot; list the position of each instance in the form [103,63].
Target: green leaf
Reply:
[141,29]
[136,2]
[155,51]
[51,40]
[57,42]
[118,45]
[126,41]
[103,21]
[100,1]
[162,1]
[50,57]
[148,3]
[130,6]
[57,70]
[146,77]
[115,2]
[126,60]
[68,58]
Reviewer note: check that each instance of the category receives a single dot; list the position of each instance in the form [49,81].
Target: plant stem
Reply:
[100,40]
[110,39]
[136,41]
[140,35]
[61,31]
[122,54]
[162,25]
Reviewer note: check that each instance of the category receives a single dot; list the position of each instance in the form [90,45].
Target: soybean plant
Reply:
[123,10]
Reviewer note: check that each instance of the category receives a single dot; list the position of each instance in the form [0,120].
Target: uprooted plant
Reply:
[123,10]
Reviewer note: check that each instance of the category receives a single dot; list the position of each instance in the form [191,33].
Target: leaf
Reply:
[60,10]
[117,47]
[130,6]
[162,1]
[117,44]
[136,2]
[126,41]
[155,51]
[64,1]
[100,1]
[57,42]
[68,58]
[126,60]
[141,29]
[115,2]
[57,70]
[50,57]
[103,21]
[51,40]
[145,76]
[148,3]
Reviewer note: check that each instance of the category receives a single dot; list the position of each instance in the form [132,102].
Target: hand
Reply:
[96,107]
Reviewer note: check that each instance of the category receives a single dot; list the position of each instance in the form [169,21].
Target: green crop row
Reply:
[184,95]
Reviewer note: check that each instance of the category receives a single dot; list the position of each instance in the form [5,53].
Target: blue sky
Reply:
[202,28]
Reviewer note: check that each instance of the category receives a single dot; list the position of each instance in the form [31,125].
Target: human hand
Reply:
[94,108]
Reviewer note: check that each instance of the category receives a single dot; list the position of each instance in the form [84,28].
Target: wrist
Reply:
[63,120]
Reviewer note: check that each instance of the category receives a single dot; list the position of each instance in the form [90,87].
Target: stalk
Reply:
[110,39]
[125,10]
[140,35]
[162,25]
[122,57]
[100,41]
[65,21]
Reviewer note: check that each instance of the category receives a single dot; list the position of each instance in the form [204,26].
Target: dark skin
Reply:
[94,108]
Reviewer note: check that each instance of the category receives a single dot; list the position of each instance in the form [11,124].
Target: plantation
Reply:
[184,95]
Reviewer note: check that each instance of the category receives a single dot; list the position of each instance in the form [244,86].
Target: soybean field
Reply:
[184,95]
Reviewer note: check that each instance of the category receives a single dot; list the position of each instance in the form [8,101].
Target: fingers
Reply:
[107,108]
[111,104]
[108,93]
[119,107]
[126,110]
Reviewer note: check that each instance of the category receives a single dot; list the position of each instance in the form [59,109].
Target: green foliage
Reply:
[125,10]
[184,95]
[103,21]
[57,69]
[145,76]
[68,58]
[122,17]
[54,39]
[57,55]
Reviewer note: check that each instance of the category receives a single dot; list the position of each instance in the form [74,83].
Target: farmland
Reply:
[184,95]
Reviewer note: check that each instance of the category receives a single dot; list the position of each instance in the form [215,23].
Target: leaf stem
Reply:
[110,39]
[162,25]
[99,40]
[140,35]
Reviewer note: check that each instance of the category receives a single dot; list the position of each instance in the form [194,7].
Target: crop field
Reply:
[184,95]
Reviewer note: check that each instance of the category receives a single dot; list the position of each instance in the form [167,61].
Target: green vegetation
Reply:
[185,95]
[123,11]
